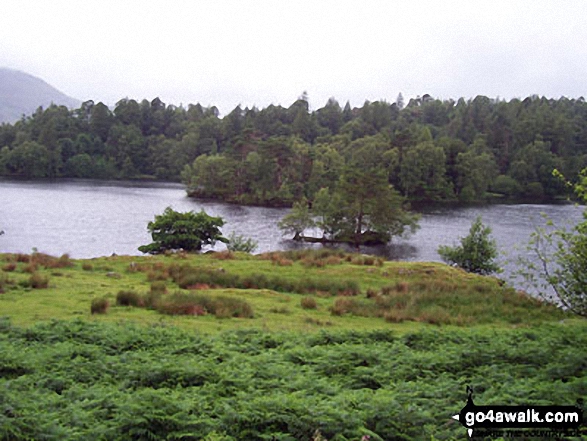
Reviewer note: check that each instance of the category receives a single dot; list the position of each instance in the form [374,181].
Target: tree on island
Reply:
[364,209]
[189,231]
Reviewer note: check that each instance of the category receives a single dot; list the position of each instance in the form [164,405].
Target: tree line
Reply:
[429,149]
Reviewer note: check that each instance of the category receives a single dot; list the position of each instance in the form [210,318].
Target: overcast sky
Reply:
[226,53]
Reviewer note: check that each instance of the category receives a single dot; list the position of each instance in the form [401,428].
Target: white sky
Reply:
[229,52]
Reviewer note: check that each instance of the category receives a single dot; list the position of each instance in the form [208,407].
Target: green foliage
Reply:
[183,231]
[74,380]
[560,273]
[240,243]
[429,149]
[477,251]
[297,220]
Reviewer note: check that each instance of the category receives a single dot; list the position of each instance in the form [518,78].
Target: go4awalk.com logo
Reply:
[511,421]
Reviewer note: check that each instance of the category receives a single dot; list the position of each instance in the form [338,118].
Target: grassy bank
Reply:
[308,346]
[301,291]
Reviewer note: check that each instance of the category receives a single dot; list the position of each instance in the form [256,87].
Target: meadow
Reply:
[306,345]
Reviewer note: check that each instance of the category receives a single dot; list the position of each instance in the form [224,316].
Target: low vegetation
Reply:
[244,347]
[192,291]
[81,380]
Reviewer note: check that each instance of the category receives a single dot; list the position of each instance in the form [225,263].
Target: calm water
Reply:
[95,218]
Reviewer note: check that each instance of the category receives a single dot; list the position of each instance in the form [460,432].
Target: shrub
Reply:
[240,243]
[99,306]
[128,298]
[308,303]
[477,251]
[87,266]
[183,231]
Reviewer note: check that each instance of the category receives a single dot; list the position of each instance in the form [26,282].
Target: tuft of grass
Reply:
[87,266]
[412,293]
[30,268]
[181,303]
[99,306]
[308,303]
[128,298]
[343,306]
[158,287]
[38,281]
[371,293]
[223,255]
[9,267]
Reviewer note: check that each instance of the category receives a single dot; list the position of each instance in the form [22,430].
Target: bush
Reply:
[240,243]
[189,231]
[477,251]
[99,306]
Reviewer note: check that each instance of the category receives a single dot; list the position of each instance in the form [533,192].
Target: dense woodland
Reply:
[427,150]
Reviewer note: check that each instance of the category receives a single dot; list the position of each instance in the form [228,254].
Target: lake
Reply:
[87,218]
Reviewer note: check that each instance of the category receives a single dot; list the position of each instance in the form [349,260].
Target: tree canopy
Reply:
[430,149]
[189,231]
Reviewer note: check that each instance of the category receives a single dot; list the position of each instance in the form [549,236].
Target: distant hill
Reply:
[21,93]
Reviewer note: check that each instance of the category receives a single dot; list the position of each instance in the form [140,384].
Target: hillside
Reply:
[21,93]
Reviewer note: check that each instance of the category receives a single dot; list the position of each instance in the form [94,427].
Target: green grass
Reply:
[386,295]
[391,362]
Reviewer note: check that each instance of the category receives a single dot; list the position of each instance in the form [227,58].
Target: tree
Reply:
[477,251]
[423,173]
[562,260]
[373,210]
[189,231]
[297,220]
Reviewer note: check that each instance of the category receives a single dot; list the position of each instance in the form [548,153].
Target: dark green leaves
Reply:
[183,231]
